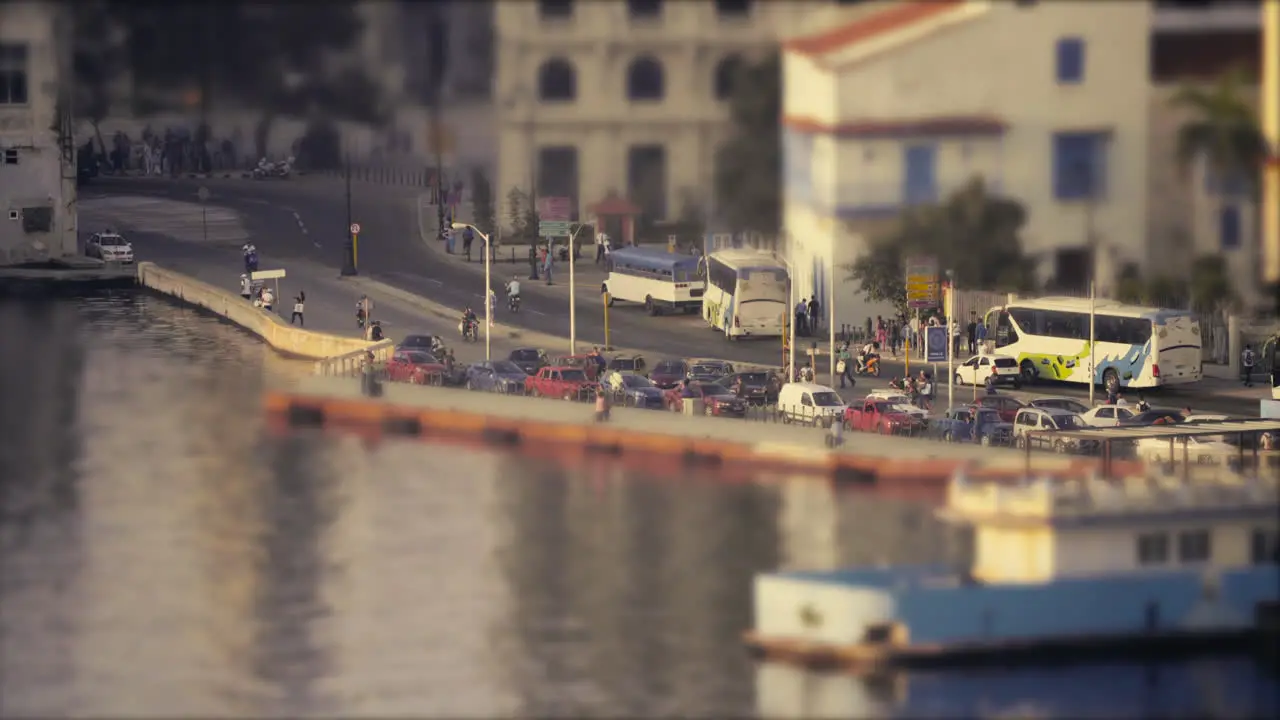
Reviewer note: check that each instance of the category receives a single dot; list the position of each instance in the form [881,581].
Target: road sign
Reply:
[553,228]
[922,282]
[266,275]
[355,228]
[554,209]
[203,193]
[935,344]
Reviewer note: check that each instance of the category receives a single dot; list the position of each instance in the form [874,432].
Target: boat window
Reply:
[1153,549]
[1194,546]
[1266,547]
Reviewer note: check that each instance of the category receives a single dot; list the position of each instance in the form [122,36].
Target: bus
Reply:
[746,294]
[1136,347]
[659,280]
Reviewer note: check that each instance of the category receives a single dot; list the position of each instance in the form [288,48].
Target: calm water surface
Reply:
[163,554]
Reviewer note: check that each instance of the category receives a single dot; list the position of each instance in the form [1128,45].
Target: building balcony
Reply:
[872,200]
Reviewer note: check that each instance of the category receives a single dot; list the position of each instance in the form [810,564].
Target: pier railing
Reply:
[352,364]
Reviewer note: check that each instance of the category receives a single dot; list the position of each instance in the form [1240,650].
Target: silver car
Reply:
[109,247]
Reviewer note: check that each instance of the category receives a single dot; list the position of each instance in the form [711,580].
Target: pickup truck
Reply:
[568,383]
[880,416]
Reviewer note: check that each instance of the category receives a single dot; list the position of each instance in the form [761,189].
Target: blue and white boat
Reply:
[1078,566]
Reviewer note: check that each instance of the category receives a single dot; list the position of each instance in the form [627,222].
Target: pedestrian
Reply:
[955,337]
[467,237]
[844,366]
[268,299]
[1113,396]
[802,313]
[815,314]
[971,330]
[548,263]
[246,287]
[1247,360]
[980,334]
[600,241]
[298,304]
[895,336]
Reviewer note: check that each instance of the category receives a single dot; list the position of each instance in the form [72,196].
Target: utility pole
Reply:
[349,246]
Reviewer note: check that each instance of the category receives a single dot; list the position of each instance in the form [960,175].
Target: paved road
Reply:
[305,220]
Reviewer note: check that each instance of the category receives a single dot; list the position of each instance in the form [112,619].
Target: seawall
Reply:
[286,339]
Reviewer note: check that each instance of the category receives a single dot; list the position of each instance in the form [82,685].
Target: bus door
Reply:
[1005,334]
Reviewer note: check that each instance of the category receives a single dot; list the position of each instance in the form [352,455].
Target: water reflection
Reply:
[164,555]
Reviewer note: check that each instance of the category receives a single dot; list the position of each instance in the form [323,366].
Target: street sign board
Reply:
[922,282]
[935,344]
[267,275]
[553,228]
[554,209]
[355,228]
[203,193]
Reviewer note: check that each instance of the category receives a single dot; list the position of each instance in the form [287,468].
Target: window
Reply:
[647,180]
[644,9]
[1153,549]
[1229,227]
[920,174]
[725,75]
[1070,61]
[1106,414]
[11,156]
[1266,547]
[733,8]
[721,276]
[558,174]
[13,74]
[1079,165]
[555,9]
[645,79]
[1194,546]
[557,81]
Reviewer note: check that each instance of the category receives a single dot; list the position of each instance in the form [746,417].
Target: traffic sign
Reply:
[355,228]
[203,193]
[553,228]
[554,209]
[922,282]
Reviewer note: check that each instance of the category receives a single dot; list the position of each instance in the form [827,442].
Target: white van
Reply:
[810,404]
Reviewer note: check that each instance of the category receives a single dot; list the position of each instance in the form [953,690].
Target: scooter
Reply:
[513,303]
[469,330]
[871,366]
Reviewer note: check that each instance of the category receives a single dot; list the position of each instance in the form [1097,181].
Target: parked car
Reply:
[419,342]
[635,390]
[627,364]
[1199,450]
[902,401]
[709,370]
[501,376]
[1154,416]
[530,360]
[881,416]
[809,403]
[1038,428]
[415,366]
[973,424]
[718,400]
[585,363]
[1008,407]
[1106,415]
[1059,403]
[567,383]
[758,387]
[977,369]
[668,373]
[109,247]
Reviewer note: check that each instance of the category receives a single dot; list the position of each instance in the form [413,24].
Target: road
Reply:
[304,221]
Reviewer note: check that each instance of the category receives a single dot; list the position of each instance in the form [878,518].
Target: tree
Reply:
[97,60]
[522,215]
[1223,129]
[1210,285]
[748,165]
[973,234]
[482,212]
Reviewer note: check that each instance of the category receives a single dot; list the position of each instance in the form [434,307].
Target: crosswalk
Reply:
[180,220]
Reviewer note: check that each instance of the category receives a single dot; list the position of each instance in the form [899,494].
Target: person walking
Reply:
[1247,361]
[844,366]
[299,302]
[815,314]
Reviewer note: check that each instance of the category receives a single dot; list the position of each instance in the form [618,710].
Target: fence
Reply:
[352,364]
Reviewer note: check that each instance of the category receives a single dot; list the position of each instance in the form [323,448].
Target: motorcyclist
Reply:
[250,253]
[375,333]
[469,321]
[513,291]
[864,355]
[363,306]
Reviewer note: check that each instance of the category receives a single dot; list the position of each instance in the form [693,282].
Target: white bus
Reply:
[746,294]
[1137,347]
[659,280]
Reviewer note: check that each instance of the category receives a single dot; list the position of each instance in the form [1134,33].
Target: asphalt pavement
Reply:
[302,223]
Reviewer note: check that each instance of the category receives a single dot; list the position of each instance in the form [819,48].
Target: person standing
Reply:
[802,313]
[815,314]
[246,287]
[972,332]
[467,238]
[1247,361]
[299,303]
[268,299]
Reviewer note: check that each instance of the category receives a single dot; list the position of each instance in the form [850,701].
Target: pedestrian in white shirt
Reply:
[268,299]
[299,303]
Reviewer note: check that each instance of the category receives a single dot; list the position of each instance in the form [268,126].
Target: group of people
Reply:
[895,333]
[920,388]
[808,316]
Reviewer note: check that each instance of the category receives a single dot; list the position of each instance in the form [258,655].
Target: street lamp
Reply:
[573,296]
[789,319]
[488,304]
[949,311]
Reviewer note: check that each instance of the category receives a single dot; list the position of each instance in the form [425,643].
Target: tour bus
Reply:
[1136,347]
[746,294]
[659,280]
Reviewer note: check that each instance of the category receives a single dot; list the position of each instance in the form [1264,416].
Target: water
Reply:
[162,553]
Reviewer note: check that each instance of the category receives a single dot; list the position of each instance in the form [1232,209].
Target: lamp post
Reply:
[1271,131]
[488,304]
[950,308]
[573,296]
[348,247]
[789,323]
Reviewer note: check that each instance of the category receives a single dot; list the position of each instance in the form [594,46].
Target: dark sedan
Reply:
[1154,416]
[709,370]
[530,360]
[418,342]
[719,400]
[758,388]
[669,373]
[635,390]
[501,376]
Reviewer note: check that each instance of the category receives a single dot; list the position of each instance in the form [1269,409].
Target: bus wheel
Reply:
[1028,372]
[1111,380]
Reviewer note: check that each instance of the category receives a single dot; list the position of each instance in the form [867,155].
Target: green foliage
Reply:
[1210,284]
[1223,128]
[482,210]
[748,165]
[1160,291]
[973,234]
[522,216]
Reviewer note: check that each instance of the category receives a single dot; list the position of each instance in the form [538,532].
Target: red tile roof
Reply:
[891,19]
[947,125]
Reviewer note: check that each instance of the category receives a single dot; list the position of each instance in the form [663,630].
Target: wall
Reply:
[1093,550]
[277,333]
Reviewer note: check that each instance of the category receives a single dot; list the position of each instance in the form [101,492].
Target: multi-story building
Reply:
[901,107]
[624,97]
[37,172]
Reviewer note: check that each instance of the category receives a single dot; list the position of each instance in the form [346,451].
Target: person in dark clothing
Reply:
[815,314]
[971,331]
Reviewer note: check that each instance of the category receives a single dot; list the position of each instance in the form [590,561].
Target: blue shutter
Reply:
[1229,227]
[1070,60]
[920,180]
[1079,165]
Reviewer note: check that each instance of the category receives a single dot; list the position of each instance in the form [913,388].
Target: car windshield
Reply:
[636,381]
[504,367]
[826,399]
[707,369]
[988,416]
[670,367]
[525,355]
[573,375]
[573,361]
[1066,422]
[419,358]
[755,378]
[112,240]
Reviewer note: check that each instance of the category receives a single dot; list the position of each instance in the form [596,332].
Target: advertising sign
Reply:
[554,209]
[935,344]
[922,282]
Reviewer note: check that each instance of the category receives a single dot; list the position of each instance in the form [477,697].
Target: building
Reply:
[906,104]
[623,98]
[37,171]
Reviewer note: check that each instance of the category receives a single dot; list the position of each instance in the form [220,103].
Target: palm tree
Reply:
[1224,129]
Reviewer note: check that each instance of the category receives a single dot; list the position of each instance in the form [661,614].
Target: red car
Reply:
[568,383]
[415,366]
[874,415]
[719,400]
[585,363]
[1007,407]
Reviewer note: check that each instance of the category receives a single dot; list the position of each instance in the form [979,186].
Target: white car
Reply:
[809,403]
[109,247]
[901,402]
[1199,450]
[977,369]
[1107,415]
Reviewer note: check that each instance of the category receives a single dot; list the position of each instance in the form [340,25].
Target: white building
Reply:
[624,98]
[1044,101]
[37,187]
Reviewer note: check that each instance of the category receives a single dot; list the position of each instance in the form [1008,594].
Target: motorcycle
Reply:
[251,262]
[870,366]
[470,330]
[513,303]
[267,169]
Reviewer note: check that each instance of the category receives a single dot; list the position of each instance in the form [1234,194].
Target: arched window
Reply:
[557,81]
[644,9]
[726,75]
[555,9]
[645,79]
